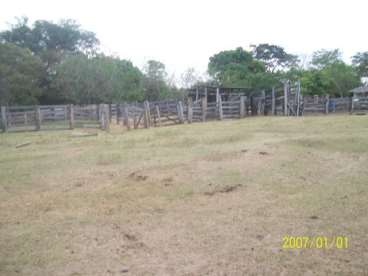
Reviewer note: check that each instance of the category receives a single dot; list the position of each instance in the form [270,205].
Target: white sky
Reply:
[186,33]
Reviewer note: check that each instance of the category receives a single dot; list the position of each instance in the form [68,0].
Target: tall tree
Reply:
[323,58]
[20,75]
[81,79]
[360,62]
[155,86]
[239,68]
[274,57]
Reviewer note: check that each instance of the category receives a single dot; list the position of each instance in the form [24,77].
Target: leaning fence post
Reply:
[101,115]
[327,103]
[118,113]
[204,108]
[71,116]
[190,110]
[157,109]
[242,106]
[38,117]
[4,123]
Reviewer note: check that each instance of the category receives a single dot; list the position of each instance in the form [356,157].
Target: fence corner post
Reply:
[71,116]
[4,123]
[220,110]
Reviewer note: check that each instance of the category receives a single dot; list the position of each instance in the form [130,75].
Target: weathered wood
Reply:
[71,116]
[158,115]
[118,113]
[242,106]
[298,97]
[38,117]
[23,145]
[221,113]
[327,103]
[180,109]
[286,108]
[190,110]
[273,102]
[204,109]
[4,121]
[110,112]
[146,115]
[126,116]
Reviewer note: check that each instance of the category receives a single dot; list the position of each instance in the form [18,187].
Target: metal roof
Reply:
[361,89]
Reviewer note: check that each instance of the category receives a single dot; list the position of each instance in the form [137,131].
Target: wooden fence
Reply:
[160,113]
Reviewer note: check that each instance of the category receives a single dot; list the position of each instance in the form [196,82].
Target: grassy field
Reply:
[211,198]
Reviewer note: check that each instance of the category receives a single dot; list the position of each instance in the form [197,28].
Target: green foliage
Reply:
[323,58]
[360,62]
[81,79]
[274,57]
[238,68]
[154,83]
[20,74]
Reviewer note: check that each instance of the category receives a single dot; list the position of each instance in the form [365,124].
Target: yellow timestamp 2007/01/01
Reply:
[319,242]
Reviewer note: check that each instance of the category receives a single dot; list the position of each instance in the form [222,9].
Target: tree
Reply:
[238,68]
[190,78]
[51,42]
[155,86]
[82,79]
[20,75]
[323,58]
[360,62]
[274,57]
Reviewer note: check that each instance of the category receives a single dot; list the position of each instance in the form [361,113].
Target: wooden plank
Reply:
[180,112]
[286,88]
[273,102]
[327,103]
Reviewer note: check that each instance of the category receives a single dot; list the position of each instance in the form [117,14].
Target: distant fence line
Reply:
[159,113]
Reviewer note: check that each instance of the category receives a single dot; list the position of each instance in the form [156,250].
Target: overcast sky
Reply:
[186,33]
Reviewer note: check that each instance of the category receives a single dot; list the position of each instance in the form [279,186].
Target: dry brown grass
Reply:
[201,199]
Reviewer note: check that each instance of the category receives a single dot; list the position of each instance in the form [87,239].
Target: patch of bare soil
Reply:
[226,189]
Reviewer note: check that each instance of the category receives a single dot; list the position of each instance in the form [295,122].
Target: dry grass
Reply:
[201,199]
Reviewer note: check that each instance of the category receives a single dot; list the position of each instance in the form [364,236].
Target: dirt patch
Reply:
[226,189]
[137,176]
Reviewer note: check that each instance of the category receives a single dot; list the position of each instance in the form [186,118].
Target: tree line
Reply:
[55,63]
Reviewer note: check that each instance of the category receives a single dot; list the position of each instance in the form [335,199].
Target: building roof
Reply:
[361,89]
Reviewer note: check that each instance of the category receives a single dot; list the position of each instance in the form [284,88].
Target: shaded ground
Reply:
[201,199]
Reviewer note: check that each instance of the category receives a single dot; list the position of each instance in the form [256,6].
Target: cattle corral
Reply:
[201,104]
[205,199]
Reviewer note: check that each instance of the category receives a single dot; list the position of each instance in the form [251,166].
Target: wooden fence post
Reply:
[327,104]
[38,117]
[180,112]
[157,109]
[126,116]
[286,88]
[71,116]
[118,113]
[242,106]
[221,113]
[298,98]
[217,95]
[204,109]
[146,115]
[4,123]
[273,102]
[101,115]
[190,110]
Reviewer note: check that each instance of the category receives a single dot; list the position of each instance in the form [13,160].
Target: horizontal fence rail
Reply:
[287,102]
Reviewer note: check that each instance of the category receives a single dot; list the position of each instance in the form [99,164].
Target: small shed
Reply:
[360,92]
